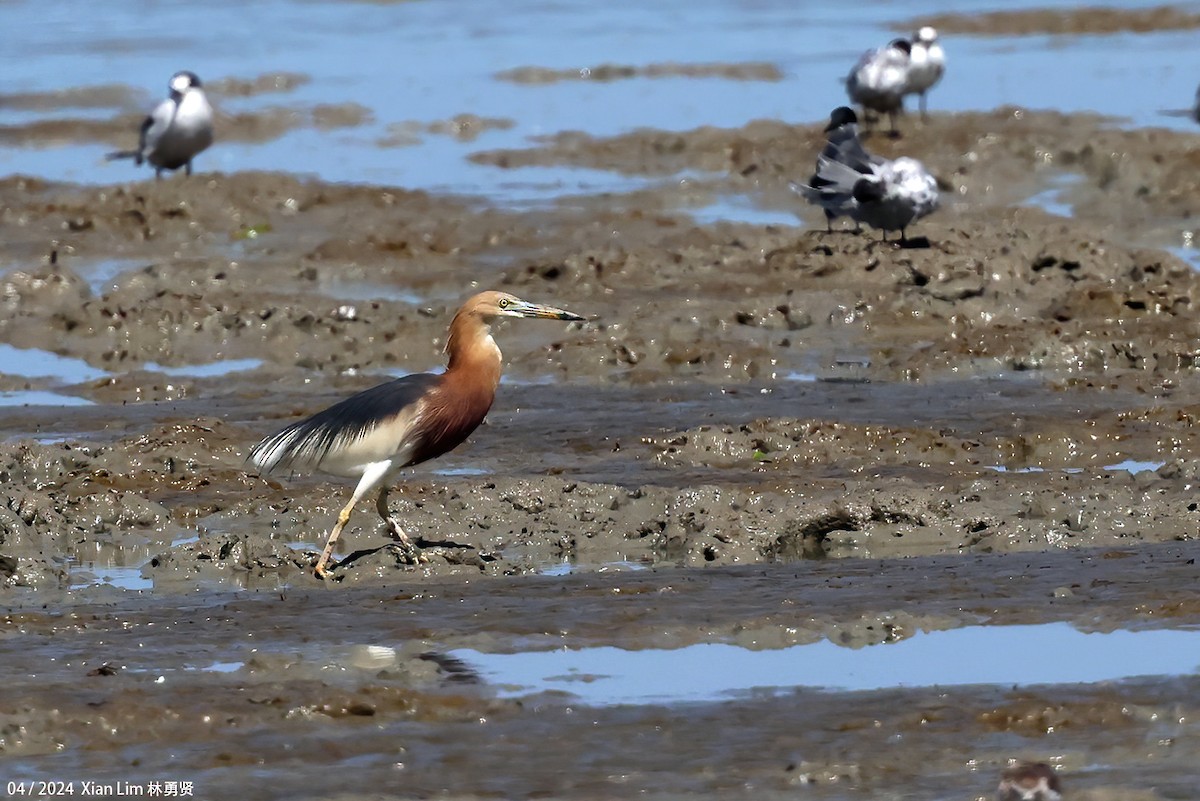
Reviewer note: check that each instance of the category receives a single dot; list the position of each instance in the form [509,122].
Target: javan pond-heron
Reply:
[375,434]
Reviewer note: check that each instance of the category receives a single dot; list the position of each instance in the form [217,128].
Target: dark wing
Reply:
[306,443]
[143,134]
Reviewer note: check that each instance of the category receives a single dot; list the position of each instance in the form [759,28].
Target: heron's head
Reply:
[927,35]
[182,81]
[492,305]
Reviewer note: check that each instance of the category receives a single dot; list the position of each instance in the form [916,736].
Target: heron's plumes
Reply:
[373,425]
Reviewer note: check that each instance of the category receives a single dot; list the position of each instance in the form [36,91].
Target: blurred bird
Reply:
[1192,113]
[886,195]
[375,434]
[1029,782]
[927,64]
[843,146]
[179,128]
[879,80]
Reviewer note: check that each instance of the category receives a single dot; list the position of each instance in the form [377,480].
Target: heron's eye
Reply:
[504,303]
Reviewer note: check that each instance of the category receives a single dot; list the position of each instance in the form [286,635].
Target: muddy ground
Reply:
[763,435]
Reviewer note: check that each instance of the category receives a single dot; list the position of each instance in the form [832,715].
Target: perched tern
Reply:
[842,146]
[886,195]
[879,80]
[179,127]
[927,63]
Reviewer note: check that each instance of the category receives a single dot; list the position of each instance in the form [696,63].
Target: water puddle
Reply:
[1187,252]
[539,186]
[39,397]
[210,370]
[1054,199]
[740,209]
[101,275]
[214,667]
[365,291]
[1131,466]
[1055,653]
[566,567]
[460,472]
[36,363]
[999,468]
[126,578]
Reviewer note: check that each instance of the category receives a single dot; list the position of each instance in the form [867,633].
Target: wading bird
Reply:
[927,63]
[879,80]
[375,434]
[886,195]
[179,128]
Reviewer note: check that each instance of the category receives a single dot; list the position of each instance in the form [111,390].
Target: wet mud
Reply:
[1061,22]
[763,435]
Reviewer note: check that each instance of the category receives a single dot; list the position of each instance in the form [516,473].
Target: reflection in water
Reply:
[1055,653]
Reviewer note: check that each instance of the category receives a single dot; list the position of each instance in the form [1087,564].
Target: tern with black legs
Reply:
[375,434]
[888,195]
[178,129]
[927,64]
[843,146]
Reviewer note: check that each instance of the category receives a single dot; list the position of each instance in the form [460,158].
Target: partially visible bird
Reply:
[927,64]
[843,146]
[899,193]
[1028,781]
[375,434]
[879,80]
[1192,113]
[886,195]
[177,130]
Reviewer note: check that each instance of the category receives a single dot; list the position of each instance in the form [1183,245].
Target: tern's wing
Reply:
[844,146]
[155,125]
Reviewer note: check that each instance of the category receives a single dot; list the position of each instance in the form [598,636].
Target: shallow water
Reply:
[37,363]
[443,59]
[1054,653]
[40,397]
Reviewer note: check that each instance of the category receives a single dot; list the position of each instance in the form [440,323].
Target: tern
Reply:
[888,195]
[879,80]
[927,64]
[179,128]
[842,146]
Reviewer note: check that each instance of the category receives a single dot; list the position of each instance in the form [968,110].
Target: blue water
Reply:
[429,60]
[1054,653]
[37,363]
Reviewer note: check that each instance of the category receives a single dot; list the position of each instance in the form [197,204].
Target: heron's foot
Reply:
[405,548]
[324,566]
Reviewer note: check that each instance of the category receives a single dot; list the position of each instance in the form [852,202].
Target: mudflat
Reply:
[764,436]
